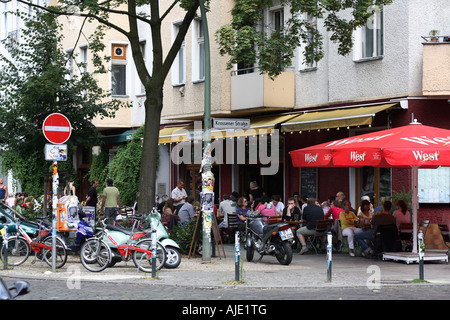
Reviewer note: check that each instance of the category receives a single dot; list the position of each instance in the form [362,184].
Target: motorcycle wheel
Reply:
[284,254]
[95,255]
[173,258]
[250,251]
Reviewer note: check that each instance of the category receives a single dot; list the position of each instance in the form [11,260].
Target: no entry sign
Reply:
[56,128]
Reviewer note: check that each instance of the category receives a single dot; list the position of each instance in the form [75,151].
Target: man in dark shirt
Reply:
[311,214]
[91,197]
[291,212]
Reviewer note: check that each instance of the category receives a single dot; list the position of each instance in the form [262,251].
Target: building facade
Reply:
[395,74]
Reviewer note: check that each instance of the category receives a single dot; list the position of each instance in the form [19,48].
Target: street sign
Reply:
[227,123]
[55,152]
[56,128]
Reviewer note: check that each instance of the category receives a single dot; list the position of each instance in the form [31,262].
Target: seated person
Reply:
[402,214]
[335,210]
[186,212]
[242,211]
[311,214]
[266,208]
[291,212]
[348,219]
[226,207]
[279,206]
[384,218]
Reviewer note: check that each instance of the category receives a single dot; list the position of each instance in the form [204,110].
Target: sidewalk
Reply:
[309,270]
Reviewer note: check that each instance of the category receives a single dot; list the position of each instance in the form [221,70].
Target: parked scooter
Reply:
[123,242]
[268,239]
[162,235]
[84,232]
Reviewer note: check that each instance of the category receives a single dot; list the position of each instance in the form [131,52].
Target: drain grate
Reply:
[393,281]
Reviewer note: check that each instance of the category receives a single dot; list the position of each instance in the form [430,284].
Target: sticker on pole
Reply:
[55,152]
[56,128]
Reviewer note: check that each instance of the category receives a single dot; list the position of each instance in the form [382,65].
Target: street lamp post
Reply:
[207,176]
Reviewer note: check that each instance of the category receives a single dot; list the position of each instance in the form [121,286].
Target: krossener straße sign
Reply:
[227,123]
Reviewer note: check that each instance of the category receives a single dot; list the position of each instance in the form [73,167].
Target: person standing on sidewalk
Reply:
[111,200]
[3,191]
[91,197]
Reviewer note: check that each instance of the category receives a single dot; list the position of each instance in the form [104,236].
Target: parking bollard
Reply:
[237,251]
[5,247]
[421,246]
[153,253]
[329,255]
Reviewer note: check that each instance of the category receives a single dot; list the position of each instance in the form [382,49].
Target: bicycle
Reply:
[95,254]
[122,245]
[21,246]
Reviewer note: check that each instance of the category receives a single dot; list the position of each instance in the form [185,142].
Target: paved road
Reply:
[92,290]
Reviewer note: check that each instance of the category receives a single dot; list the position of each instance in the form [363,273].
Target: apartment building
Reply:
[394,74]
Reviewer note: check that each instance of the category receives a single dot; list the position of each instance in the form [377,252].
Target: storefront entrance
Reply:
[193,180]
[373,182]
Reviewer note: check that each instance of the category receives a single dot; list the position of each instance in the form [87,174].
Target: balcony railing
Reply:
[436,63]
[250,90]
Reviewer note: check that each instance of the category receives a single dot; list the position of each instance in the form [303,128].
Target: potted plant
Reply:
[433,33]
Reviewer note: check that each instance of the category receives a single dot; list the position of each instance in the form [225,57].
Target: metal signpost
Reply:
[57,130]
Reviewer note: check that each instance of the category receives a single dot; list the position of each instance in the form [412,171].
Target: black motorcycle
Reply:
[268,239]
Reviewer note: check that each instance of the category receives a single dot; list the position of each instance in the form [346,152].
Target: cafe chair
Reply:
[341,239]
[406,235]
[321,230]
[228,233]
[445,232]
[386,239]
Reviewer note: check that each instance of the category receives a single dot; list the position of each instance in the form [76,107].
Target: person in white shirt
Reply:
[279,206]
[226,207]
[179,195]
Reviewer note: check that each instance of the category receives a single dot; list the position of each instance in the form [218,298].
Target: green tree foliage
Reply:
[247,39]
[34,82]
[125,168]
[129,14]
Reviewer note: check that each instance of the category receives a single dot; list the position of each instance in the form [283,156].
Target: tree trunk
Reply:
[147,180]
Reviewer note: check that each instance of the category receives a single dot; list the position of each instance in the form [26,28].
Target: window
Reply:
[369,40]
[198,52]
[312,65]
[4,26]
[69,62]
[119,69]
[179,65]
[118,79]
[277,19]
[83,59]
[143,47]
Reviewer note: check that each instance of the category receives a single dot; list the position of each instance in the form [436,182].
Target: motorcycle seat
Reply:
[120,229]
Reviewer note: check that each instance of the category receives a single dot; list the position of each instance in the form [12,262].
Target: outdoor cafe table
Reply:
[362,225]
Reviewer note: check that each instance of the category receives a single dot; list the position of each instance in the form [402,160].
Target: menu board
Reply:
[308,183]
[434,185]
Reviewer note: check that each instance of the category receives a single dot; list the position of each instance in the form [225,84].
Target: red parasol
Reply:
[412,146]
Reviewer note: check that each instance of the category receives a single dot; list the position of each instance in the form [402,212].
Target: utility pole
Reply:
[207,175]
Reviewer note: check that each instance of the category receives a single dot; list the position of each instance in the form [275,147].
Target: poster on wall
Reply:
[434,185]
